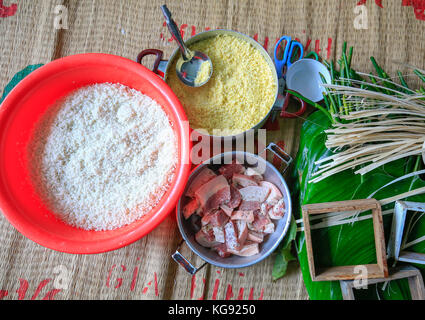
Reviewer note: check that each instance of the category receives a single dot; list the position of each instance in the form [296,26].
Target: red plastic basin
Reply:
[27,103]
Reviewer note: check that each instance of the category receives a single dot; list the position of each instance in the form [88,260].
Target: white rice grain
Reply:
[103,157]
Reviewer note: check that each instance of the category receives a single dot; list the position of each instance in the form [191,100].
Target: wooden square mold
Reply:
[395,242]
[416,283]
[378,270]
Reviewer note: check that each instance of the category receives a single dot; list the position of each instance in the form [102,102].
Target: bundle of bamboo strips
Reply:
[373,122]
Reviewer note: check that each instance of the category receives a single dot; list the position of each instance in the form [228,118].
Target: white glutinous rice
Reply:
[103,156]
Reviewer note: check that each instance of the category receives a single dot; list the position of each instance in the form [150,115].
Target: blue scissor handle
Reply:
[287,54]
[294,44]
[280,63]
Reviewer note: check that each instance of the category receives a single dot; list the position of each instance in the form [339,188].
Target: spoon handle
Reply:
[172,27]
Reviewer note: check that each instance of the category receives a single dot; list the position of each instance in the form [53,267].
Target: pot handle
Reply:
[180,259]
[285,158]
[157,66]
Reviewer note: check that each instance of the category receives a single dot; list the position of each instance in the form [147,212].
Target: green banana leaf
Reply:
[348,244]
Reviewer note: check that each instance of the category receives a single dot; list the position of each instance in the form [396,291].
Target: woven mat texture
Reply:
[144,270]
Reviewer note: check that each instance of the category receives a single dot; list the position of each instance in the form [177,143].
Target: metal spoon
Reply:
[189,67]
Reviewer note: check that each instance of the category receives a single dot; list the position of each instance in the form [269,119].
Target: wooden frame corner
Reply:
[395,242]
[416,283]
[378,270]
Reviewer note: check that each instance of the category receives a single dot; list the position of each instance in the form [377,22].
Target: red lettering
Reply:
[215,290]
[251,294]
[7,11]
[192,286]
[240,295]
[3,293]
[266,43]
[134,279]
[41,285]
[317,46]
[261,294]
[377,2]
[51,294]
[156,285]
[329,48]
[182,27]
[118,280]
[307,45]
[22,290]
[229,292]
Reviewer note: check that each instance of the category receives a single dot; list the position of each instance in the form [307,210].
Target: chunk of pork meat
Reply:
[204,192]
[206,238]
[243,180]
[235,198]
[231,236]
[242,231]
[261,223]
[255,236]
[227,210]
[254,193]
[250,206]
[202,178]
[222,196]
[190,208]
[222,250]
[219,234]
[278,210]
[274,193]
[216,218]
[247,250]
[228,170]
[247,216]
[254,174]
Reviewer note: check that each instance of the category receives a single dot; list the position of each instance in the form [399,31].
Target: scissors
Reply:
[282,65]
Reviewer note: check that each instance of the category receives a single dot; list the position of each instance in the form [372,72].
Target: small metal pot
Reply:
[271,242]
[162,68]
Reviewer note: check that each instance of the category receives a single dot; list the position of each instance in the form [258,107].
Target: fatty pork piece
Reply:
[261,224]
[278,210]
[243,180]
[227,210]
[258,177]
[213,194]
[236,234]
[254,193]
[222,250]
[274,205]
[254,236]
[191,207]
[249,206]
[235,198]
[228,170]
[202,178]
[206,237]
[247,216]
[274,193]
[231,236]
[247,250]
[217,218]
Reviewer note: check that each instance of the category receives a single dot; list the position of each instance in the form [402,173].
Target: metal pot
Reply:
[162,68]
[271,242]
